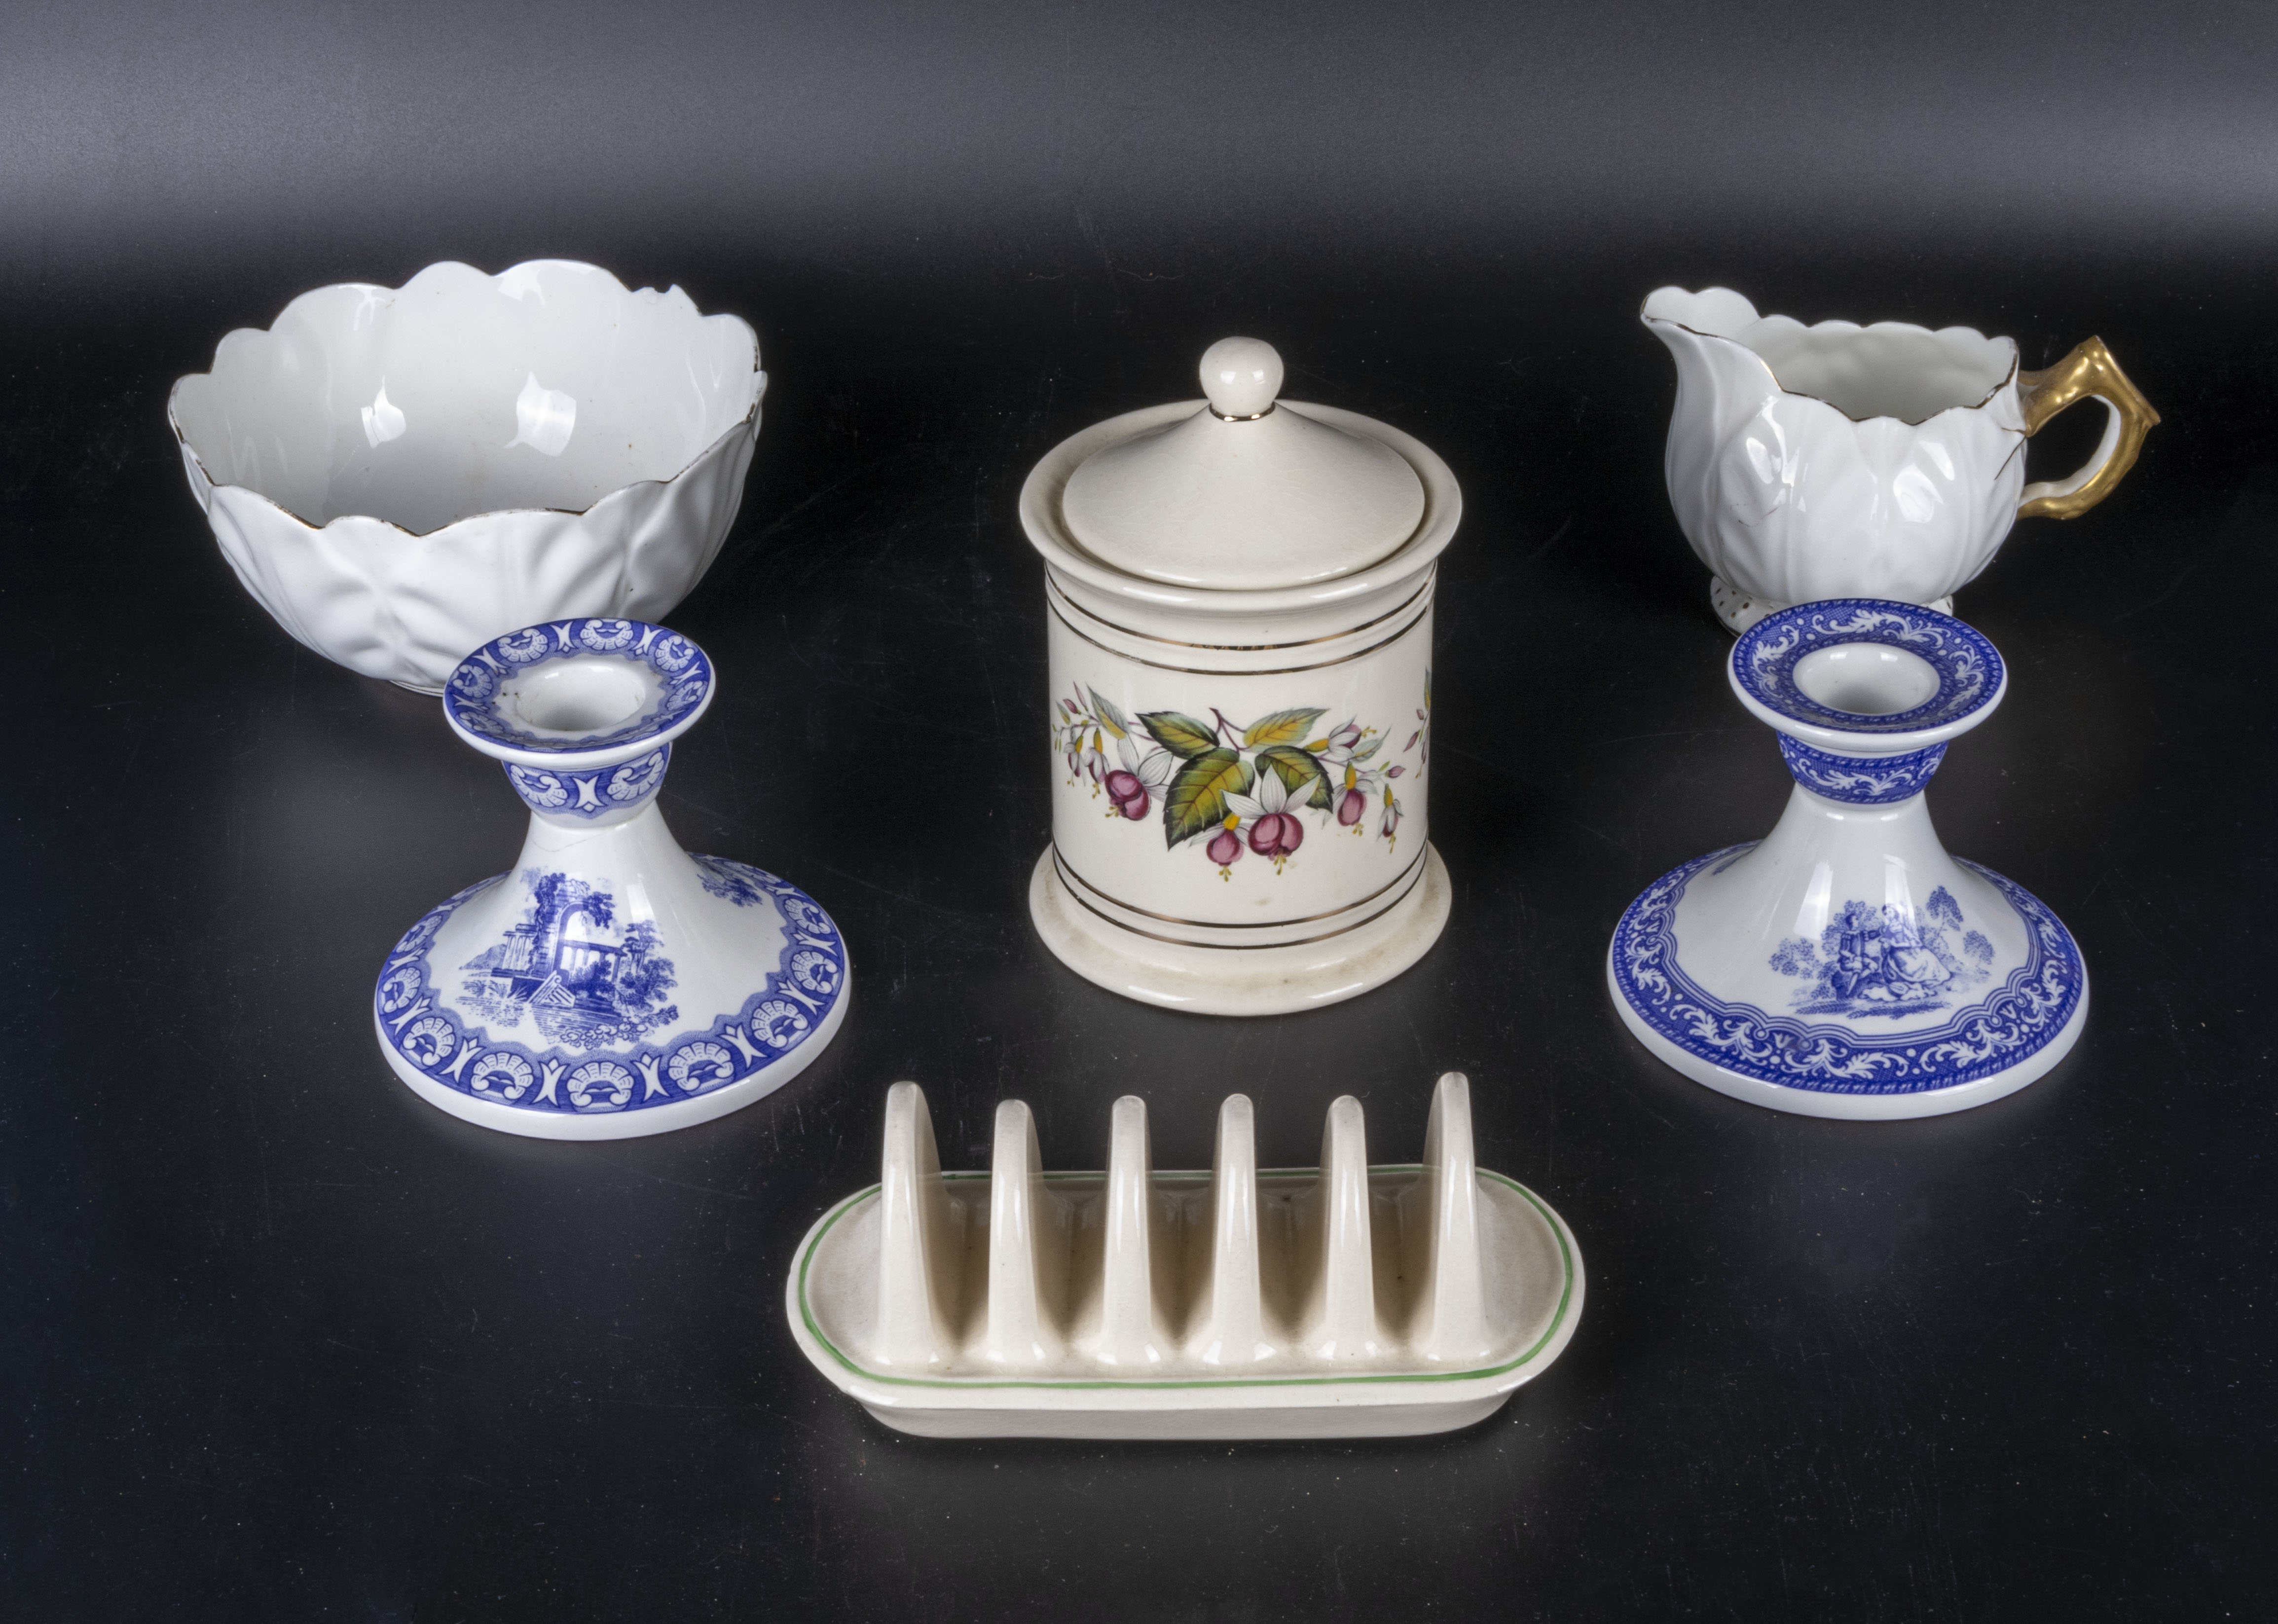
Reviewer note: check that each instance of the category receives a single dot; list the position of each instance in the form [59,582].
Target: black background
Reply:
[281,1342]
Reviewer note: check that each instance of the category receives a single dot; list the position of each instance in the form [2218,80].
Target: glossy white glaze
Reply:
[1838,460]
[1341,1301]
[400,475]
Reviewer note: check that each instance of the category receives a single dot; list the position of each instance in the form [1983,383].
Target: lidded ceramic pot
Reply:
[1240,614]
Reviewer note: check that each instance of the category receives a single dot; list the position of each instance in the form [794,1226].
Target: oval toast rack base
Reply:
[1344,1300]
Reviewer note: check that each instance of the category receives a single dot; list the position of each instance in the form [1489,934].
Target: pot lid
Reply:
[1249,491]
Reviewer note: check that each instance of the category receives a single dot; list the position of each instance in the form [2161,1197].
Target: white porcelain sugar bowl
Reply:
[1240,614]
[400,474]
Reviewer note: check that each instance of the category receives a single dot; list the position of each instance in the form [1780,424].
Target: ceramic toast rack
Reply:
[1342,1301]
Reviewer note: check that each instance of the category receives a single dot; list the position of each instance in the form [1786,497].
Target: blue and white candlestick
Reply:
[1845,966]
[610,984]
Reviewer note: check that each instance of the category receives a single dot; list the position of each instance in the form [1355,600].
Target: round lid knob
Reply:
[1247,493]
[1242,376]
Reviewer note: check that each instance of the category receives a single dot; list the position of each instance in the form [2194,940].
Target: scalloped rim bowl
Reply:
[401,475]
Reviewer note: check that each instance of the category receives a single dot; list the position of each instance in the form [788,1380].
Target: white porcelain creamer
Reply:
[1838,461]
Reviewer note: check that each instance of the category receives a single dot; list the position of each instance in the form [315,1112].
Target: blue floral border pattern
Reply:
[591,794]
[1863,780]
[1968,668]
[472,695]
[2031,1007]
[799,994]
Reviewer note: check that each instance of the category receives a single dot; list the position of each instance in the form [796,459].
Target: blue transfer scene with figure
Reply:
[1880,959]
[585,976]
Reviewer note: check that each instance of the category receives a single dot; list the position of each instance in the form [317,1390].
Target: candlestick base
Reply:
[1847,966]
[610,984]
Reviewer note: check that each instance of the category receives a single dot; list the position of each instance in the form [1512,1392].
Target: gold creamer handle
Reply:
[2089,370]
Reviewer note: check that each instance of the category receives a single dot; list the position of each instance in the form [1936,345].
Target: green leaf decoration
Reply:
[1282,727]
[1370,747]
[1195,802]
[1116,722]
[1182,736]
[1297,771]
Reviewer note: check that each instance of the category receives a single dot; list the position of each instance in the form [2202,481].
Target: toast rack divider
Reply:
[1233,1332]
[917,1254]
[1343,1323]
[1131,1333]
[1451,1316]
[1027,1248]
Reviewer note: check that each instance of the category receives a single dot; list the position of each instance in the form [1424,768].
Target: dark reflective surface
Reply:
[283,1342]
